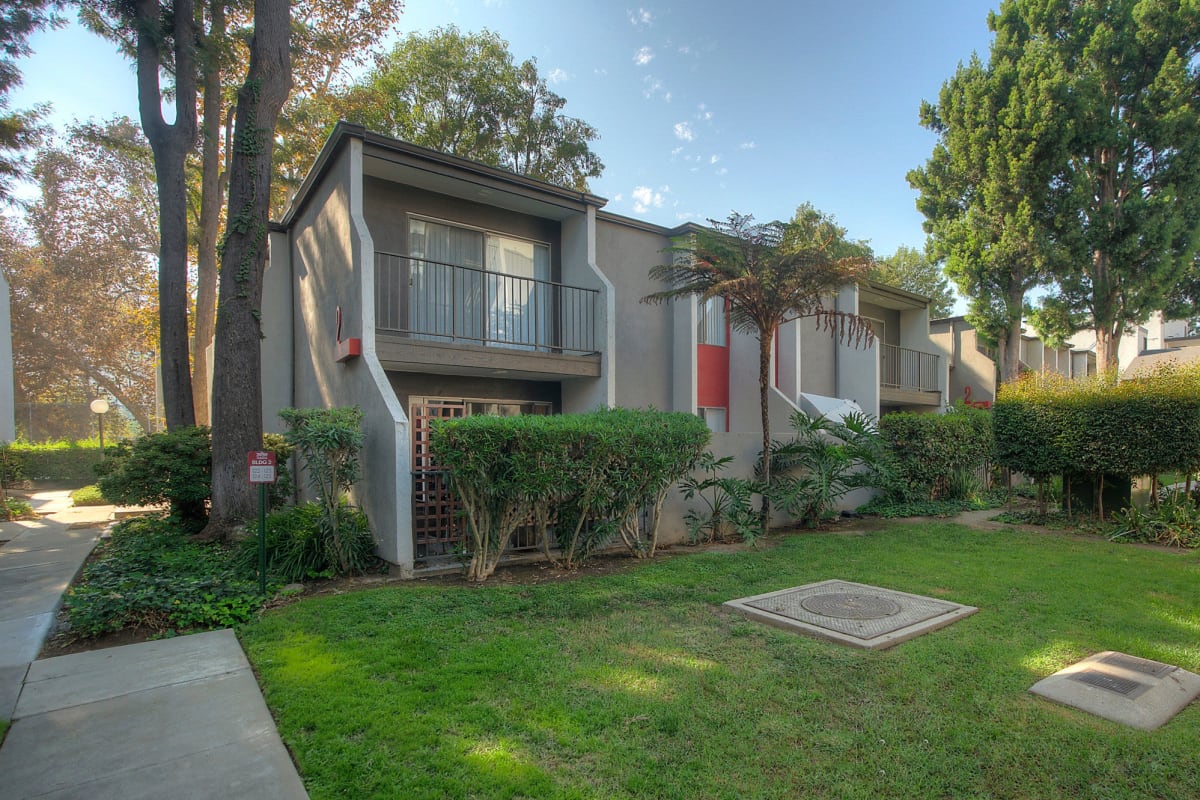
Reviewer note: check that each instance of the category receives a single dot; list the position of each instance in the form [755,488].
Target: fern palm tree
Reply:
[770,274]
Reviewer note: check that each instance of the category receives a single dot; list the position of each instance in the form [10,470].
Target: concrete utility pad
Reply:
[851,613]
[1132,691]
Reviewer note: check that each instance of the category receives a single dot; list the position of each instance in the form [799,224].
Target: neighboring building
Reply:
[421,286]
[1157,333]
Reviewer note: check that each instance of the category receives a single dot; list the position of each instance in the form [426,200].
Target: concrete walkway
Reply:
[179,717]
[36,566]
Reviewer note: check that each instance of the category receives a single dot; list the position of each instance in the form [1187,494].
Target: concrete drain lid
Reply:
[851,613]
[1133,691]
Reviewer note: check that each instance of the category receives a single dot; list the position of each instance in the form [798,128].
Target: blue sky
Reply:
[703,107]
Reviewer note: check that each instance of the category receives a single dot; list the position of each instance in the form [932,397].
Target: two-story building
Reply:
[420,286]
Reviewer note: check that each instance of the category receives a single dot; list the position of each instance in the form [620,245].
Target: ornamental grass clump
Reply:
[586,476]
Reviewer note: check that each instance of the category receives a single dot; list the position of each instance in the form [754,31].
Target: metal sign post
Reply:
[261,467]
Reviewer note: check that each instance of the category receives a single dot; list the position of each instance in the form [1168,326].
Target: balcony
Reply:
[448,317]
[908,377]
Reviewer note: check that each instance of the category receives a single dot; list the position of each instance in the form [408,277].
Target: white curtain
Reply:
[445,302]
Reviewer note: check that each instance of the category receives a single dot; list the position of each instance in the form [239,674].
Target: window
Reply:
[710,327]
[715,418]
[479,286]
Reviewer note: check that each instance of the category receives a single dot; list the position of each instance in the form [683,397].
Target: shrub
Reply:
[593,473]
[150,574]
[11,509]
[298,549]
[328,439]
[88,496]
[67,462]
[173,467]
[935,456]
[1046,425]
[727,503]
[824,462]
[1175,522]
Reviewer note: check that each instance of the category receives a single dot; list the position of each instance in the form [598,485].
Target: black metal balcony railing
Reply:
[903,368]
[433,300]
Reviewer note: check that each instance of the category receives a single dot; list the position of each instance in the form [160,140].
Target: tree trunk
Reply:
[170,144]
[210,215]
[765,340]
[1106,349]
[1012,355]
[237,382]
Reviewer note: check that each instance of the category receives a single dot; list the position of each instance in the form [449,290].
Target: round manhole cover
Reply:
[846,605]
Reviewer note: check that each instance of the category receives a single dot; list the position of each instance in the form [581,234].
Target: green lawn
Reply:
[640,685]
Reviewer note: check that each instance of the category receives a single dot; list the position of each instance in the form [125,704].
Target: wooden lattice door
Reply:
[437,523]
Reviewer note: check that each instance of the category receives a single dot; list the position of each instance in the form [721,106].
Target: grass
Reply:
[640,685]
[88,496]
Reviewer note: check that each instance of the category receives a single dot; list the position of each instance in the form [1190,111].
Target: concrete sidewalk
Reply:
[179,717]
[36,566]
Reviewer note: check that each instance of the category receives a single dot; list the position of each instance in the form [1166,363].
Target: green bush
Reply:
[173,467]
[1046,424]
[151,574]
[824,462]
[299,547]
[726,503]
[67,462]
[934,456]
[11,509]
[592,473]
[1175,523]
[88,496]
[328,440]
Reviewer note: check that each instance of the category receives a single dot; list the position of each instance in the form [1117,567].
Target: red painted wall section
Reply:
[712,378]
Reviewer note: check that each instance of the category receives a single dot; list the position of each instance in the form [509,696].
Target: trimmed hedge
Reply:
[588,474]
[1046,424]
[930,450]
[69,462]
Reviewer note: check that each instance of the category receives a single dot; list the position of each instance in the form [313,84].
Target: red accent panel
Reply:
[348,349]
[712,379]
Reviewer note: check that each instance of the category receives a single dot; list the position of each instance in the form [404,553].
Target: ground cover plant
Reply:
[150,574]
[89,495]
[638,685]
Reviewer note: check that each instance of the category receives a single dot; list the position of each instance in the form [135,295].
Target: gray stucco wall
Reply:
[387,206]
[858,367]
[333,265]
[580,269]
[278,361]
[643,333]
[415,384]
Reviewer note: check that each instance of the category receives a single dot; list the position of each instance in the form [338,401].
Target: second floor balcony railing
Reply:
[432,300]
[903,368]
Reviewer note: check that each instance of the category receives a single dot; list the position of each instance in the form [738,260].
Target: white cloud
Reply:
[676,150]
[557,75]
[645,198]
[714,158]
[601,71]
[683,131]
[723,171]
[747,146]
[685,50]
[682,215]
[704,114]
[652,86]
[643,56]
[619,197]
[641,18]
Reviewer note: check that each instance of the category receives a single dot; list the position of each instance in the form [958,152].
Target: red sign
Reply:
[262,466]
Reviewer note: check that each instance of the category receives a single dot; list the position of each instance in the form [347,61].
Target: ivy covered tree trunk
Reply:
[237,380]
